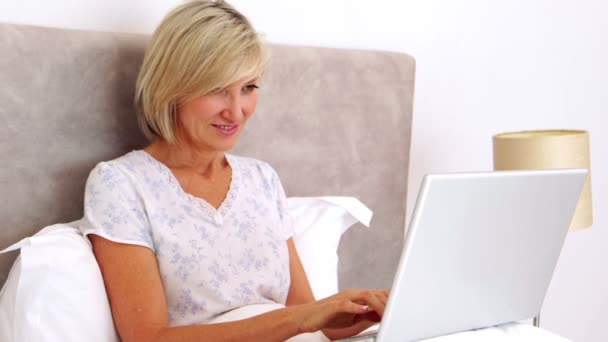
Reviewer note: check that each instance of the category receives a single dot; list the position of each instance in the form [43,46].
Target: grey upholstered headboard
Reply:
[331,122]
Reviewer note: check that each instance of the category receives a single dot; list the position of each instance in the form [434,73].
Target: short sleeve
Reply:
[114,209]
[281,198]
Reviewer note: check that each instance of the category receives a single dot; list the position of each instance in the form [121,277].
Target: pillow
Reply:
[7,302]
[319,222]
[55,291]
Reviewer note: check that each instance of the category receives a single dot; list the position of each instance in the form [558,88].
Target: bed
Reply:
[330,121]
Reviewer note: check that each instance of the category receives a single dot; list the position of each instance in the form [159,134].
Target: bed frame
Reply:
[330,121]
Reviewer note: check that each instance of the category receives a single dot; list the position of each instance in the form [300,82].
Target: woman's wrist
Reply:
[294,319]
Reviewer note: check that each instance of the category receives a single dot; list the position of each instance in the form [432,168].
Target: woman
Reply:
[184,232]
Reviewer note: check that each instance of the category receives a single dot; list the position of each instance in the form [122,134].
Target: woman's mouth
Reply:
[226,130]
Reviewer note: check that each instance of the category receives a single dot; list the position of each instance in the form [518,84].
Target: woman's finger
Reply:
[383,297]
[375,299]
[348,306]
[373,317]
[372,299]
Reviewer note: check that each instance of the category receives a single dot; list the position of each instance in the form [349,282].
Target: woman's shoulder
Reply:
[129,164]
[252,166]
[249,163]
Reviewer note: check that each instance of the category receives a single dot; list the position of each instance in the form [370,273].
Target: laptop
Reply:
[480,251]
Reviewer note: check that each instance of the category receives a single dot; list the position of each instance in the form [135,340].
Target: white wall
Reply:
[483,67]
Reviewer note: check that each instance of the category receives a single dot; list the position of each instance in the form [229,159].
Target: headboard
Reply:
[330,121]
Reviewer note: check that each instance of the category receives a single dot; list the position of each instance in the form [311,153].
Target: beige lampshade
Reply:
[548,149]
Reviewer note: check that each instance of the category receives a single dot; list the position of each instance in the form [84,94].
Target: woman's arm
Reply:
[300,292]
[139,307]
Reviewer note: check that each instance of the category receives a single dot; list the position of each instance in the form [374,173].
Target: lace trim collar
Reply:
[216,215]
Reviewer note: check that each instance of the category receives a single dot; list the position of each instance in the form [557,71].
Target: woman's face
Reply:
[214,121]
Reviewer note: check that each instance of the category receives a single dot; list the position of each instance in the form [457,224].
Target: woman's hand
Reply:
[344,314]
[340,316]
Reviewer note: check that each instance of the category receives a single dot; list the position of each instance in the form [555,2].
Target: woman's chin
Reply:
[224,146]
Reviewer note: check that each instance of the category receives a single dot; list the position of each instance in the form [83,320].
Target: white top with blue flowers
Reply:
[210,260]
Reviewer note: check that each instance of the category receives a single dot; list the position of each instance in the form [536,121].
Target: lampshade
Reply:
[548,149]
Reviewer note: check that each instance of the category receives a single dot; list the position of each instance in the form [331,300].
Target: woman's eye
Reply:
[250,88]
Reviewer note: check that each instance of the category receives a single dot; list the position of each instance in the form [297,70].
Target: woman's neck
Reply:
[188,158]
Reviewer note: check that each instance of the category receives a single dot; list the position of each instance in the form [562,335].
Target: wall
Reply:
[484,67]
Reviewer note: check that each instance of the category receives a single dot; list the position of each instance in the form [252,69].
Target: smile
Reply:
[226,129]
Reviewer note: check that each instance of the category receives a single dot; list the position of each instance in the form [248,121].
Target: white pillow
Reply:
[55,291]
[319,222]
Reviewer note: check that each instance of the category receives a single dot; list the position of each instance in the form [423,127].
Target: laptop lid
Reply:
[480,251]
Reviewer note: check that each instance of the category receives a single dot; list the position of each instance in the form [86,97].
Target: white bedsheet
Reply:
[510,332]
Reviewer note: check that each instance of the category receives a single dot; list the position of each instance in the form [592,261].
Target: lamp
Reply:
[548,149]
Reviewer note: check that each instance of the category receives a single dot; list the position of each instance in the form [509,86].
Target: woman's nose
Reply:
[234,109]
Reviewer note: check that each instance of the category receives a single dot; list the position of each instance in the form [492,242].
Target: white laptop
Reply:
[480,251]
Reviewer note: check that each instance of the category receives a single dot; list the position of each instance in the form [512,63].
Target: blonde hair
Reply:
[198,47]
